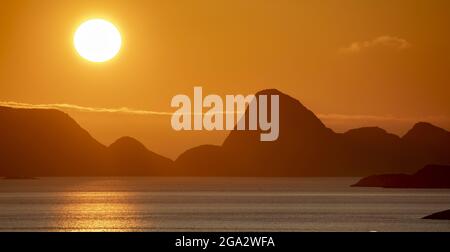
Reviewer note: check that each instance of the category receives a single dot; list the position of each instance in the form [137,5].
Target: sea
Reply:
[215,204]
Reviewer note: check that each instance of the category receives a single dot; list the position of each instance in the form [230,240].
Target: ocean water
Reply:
[215,204]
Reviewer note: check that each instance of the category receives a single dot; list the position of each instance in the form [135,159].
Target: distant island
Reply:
[48,142]
[444,215]
[431,176]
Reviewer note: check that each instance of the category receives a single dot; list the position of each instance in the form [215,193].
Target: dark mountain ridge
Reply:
[306,147]
[131,158]
[46,142]
[41,142]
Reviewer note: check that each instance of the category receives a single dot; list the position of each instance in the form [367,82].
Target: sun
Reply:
[97,40]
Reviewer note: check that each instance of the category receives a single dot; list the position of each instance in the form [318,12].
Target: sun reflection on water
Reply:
[96,211]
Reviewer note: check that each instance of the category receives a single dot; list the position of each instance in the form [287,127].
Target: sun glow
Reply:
[97,40]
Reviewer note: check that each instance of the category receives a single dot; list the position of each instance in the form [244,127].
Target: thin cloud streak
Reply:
[72,107]
[77,108]
[125,110]
[382,41]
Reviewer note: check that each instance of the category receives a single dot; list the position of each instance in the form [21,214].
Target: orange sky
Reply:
[396,72]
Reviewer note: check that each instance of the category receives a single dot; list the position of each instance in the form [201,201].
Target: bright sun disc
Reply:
[97,40]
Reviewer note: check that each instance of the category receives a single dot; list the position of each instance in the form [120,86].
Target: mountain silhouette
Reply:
[46,142]
[428,142]
[443,215]
[43,142]
[306,147]
[431,176]
[131,158]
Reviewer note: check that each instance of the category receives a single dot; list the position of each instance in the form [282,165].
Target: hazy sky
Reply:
[355,63]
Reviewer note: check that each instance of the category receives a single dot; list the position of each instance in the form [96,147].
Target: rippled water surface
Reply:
[215,204]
